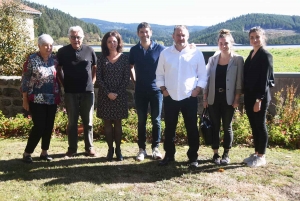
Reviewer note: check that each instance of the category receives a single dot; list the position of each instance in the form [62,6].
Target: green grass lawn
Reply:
[83,178]
[284,59]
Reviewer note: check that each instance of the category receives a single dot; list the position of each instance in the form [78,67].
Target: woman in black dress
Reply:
[113,75]
[258,78]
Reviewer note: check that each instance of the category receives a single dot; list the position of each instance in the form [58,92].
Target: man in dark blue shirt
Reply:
[144,58]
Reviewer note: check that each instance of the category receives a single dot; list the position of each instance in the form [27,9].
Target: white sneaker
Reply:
[250,158]
[258,161]
[156,154]
[141,155]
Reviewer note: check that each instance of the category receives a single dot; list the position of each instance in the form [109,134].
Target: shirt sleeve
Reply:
[99,75]
[59,57]
[27,72]
[131,57]
[266,70]
[94,57]
[160,71]
[126,76]
[208,67]
[201,71]
[240,72]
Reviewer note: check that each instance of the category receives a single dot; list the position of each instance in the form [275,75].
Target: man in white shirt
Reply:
[180,74]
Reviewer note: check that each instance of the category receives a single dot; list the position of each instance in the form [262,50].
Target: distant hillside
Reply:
[128,31]
[57,23]
[280,29]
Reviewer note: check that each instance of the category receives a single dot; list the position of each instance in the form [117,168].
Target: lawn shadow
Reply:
[97,170]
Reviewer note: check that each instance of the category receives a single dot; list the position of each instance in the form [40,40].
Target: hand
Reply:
[195,93]
[256,107]
[235,104]
[25,104]
[205,104]
[165,93]
[112,96]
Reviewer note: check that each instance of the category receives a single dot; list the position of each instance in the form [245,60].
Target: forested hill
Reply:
[161,33]
[56,23]
[280,29]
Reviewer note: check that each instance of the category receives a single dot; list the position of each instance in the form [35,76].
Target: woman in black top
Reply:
[258,78]
[222,93]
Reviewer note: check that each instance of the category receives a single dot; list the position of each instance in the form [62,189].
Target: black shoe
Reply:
[27,159]
[110,154]
[119,154]
[166,160]
[45,157]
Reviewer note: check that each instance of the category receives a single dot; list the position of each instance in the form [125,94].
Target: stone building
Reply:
[32,13]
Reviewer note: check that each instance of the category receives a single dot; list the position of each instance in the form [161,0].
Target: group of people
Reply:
[171,77]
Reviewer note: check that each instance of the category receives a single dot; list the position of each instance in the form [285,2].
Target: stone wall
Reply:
[11,98]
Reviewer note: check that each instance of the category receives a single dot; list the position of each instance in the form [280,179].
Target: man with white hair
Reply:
[77,73]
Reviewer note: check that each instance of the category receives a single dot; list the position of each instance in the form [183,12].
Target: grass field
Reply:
[83,178]
[284,60]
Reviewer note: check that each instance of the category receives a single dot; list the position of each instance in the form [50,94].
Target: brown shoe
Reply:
[90,153]
[70,154]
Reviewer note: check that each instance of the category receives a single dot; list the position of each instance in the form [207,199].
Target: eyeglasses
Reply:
[75,37]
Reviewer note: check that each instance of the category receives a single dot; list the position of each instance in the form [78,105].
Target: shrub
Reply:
[284,127]
[241,129]
[15,44]
[18,126]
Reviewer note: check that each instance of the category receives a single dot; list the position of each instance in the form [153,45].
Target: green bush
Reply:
[18,126]
[15,43]
[284,127]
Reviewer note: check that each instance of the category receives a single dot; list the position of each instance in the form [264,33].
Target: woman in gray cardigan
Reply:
[221,96]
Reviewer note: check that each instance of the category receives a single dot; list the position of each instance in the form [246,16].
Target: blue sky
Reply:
[171,12]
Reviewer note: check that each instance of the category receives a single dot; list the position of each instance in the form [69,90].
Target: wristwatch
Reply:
[257,100]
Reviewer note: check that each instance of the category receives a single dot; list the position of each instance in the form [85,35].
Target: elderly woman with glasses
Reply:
[258,78]
[41,94]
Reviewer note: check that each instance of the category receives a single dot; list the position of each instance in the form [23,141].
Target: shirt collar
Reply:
[150,47]
[173,48]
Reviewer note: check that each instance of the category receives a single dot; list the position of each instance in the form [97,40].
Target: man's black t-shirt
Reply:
[77,68]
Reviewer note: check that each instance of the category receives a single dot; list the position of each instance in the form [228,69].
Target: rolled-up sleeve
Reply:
[160,71]
[201,72]
[208,66]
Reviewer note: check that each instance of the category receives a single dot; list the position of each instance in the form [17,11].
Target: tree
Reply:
[15,43]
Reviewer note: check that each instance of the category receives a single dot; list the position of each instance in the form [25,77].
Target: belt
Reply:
[220,90]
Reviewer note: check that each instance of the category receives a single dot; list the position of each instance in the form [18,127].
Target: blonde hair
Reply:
[223,33]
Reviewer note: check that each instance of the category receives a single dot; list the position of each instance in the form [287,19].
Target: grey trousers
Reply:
[80,104]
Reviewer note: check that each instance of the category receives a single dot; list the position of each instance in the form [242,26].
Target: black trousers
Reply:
[257,121]
[188,108]
[43,120]
[220,110]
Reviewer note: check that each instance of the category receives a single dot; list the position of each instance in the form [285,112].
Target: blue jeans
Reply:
[188,108]
[142,100]
[80,104]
